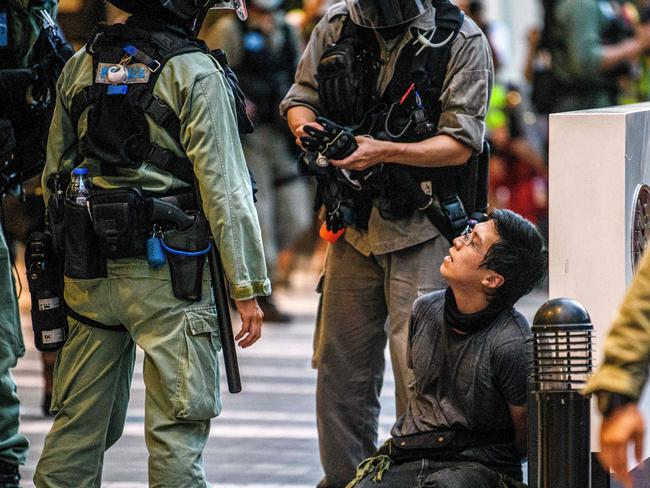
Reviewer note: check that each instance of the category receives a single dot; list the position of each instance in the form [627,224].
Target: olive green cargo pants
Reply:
[93,372]
[13,446]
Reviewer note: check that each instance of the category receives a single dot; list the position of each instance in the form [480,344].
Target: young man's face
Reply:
[462,266]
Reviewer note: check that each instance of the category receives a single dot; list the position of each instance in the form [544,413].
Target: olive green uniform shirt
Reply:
[194,87]
[464,98]
[624,369]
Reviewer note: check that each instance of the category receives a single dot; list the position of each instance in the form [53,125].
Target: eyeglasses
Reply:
[466,238]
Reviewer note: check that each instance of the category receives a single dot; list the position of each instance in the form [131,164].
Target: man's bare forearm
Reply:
[442,150]
[298,116]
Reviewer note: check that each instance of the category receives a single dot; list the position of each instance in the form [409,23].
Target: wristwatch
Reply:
[608,402]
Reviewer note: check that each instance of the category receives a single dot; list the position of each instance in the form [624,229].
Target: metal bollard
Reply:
[559,416]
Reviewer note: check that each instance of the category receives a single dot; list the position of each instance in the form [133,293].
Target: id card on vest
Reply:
[136,73]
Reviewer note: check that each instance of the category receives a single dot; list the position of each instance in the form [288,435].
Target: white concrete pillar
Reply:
[597,160]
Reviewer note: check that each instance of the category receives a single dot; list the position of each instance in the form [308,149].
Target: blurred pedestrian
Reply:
[584,49]
[264,53]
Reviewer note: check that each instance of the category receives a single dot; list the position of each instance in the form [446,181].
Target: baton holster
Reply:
[187,271]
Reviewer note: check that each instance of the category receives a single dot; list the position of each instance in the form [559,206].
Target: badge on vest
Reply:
[118,74]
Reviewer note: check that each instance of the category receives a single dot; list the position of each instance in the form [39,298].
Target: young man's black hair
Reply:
[520,256]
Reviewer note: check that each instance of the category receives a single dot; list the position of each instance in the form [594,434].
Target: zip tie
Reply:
[426,42]
[405,96]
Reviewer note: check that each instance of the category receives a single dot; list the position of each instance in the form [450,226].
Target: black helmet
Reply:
[379,14]
[182,9]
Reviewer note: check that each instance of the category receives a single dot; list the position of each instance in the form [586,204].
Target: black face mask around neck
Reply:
[471,322]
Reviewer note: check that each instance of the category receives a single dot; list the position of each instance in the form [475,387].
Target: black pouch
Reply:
[415,444]
[119,221]
[187,271]
[82,258]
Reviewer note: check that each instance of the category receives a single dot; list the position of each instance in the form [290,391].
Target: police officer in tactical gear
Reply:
[401,88]
[32,54]
[147,110]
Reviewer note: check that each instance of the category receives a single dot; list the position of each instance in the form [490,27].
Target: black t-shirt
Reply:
[466,381]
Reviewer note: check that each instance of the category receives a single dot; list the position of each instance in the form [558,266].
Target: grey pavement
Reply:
[265,437]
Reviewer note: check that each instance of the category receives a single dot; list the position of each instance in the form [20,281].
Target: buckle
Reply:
[156,65]
[456,213]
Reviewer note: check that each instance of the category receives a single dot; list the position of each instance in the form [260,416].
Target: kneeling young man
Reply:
[471,354]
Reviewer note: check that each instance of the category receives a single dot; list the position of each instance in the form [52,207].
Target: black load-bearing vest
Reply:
[32,56]
[409,111]
[117,133]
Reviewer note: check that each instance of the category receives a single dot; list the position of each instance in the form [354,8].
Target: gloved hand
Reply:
[334,141]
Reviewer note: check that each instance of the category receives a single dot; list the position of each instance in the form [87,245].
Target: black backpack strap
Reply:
[160,113]
[83,100]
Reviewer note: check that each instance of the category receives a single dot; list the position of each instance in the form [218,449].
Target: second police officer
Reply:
[411,80]
[32,54]
[145,109]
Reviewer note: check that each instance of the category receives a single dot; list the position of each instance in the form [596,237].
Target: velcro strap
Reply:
[161,114]
[82,100]
[166,160]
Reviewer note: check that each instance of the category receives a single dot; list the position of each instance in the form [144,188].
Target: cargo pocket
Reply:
[197,377]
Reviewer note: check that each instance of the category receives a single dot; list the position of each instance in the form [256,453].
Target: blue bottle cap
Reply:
[80,171]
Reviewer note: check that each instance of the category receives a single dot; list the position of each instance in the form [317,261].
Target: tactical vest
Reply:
[117,131]
[265,74]
[32,56]
[409,111]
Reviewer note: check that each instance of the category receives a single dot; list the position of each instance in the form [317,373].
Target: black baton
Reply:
[220,295]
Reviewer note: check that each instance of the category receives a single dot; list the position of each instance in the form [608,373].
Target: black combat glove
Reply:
[333,142]
[340,78]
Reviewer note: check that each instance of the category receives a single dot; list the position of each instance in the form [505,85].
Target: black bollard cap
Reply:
[561,314]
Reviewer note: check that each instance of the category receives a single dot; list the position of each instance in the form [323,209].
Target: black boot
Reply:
[271,312]
[9,475]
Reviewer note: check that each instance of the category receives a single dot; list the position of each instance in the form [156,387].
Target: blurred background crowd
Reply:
[549,56]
